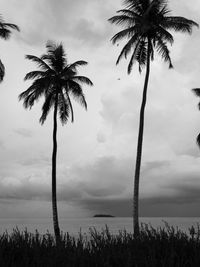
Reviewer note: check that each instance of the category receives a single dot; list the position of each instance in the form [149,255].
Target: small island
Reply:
[103,216]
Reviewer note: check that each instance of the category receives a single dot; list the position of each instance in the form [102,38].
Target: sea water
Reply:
[76,225]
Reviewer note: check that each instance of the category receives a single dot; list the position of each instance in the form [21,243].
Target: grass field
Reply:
[161,247]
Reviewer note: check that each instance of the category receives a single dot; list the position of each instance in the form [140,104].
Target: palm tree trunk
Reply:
[139,149]
[54,198]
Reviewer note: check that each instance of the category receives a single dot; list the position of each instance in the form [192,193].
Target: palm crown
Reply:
[5,32]
[5,29]
[146,23]
[57,81]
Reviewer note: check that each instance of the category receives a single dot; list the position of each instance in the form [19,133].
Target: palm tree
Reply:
[57,81]
[5,32]
[146,24]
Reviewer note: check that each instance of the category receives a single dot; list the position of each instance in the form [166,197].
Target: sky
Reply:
[96,154]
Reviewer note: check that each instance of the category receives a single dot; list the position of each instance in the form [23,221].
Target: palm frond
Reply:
[141,54]
[159,7]
[51,47]
[78,63]
[135,5]
[82,79]
[11,26]
[70,70]
[145,4]
[67,73]
[5,33]
[196,91]
[164,10]
[2,71]
[179,24]
[165,35]
[81,100]
[198,139]
[133,57]
[41,63]
[129,13]
[76,91]
[55,56]
[163,51]
[48,104]
[127,48]
[35,91]
[63,108]
[122,34]
[71,107]
[28,99]
[35,74]
[123,20]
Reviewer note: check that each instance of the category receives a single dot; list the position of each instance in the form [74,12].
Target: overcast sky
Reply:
[96,154]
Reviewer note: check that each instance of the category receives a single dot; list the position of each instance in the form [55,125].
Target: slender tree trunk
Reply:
[54,198]
[139,149]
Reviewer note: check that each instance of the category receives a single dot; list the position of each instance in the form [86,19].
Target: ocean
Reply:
[76,225]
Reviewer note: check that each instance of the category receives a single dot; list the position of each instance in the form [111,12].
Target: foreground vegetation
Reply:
[154,247]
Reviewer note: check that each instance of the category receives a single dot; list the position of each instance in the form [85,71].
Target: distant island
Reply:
[103,215]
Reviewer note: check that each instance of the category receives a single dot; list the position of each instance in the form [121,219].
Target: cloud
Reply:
[101,138]
[106,177]
[2,144]
[89,34]
[106,185]
[171,116]
[67,20]
[24,132]
[96,155]
[31,161]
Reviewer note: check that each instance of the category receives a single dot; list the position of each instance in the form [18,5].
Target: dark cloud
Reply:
[24,191]
[149,207]
[168,188]
[106,177]
[116,207]
[168,207]
[187,188]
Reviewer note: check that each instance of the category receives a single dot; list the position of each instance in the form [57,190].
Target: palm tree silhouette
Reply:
[5,32]
[57,81]
[146,24]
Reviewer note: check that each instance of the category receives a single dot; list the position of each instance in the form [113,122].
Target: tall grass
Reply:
[161,247]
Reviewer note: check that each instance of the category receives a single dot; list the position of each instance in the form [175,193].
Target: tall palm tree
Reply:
[5,32]
[146,24]
[57,81]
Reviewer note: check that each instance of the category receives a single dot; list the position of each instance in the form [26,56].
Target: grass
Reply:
[161,247]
